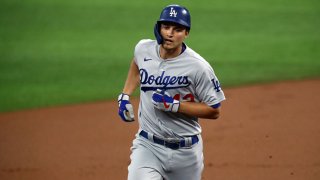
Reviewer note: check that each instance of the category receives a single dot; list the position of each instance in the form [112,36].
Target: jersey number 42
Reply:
[187,97]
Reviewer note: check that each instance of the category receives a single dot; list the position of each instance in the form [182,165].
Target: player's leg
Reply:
[144,164]
[144,173]
[187,164]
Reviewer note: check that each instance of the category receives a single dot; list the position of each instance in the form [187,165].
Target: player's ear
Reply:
[186,33]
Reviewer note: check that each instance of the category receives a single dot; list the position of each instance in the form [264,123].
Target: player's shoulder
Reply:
[145,43]
[197,59]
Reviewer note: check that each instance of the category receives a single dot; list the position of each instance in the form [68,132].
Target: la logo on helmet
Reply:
[173,12]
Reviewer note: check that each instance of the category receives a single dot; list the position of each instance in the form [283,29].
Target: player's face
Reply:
[173,35]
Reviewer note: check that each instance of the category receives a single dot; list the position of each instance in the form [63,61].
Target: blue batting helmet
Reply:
[173,13]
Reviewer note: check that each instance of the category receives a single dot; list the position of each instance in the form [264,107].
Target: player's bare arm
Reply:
[163,101]
[200,110]
[133,80]
[125,107]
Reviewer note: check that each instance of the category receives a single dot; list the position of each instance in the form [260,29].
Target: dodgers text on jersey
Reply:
[152,82]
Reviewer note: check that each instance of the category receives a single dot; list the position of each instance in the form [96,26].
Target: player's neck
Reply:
[170,53]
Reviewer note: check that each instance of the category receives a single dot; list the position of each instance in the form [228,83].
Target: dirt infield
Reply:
[266,132]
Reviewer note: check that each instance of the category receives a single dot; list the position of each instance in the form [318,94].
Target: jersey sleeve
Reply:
[140,49]
[208,87]
[136,52]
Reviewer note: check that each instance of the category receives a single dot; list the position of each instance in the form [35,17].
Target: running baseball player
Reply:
[177,86]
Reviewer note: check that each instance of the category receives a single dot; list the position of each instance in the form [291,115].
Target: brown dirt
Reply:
[265,132]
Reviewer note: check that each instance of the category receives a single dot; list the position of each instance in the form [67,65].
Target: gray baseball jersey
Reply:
[187,77]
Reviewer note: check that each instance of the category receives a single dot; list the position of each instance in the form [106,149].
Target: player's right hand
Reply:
[163,101]
[125,108]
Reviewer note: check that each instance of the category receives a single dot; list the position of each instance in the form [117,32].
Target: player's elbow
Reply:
[214,113]
[215,116]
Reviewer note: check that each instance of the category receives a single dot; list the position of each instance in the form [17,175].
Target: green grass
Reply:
[55,52]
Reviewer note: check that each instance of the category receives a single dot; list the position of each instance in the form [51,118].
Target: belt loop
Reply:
[188,141]
[150,137]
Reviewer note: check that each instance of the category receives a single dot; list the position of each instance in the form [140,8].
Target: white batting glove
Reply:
[164,101]
[125,108]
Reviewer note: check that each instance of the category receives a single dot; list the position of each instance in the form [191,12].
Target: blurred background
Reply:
[55,52]
[66,52]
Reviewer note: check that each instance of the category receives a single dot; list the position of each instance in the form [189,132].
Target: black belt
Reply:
[174,144]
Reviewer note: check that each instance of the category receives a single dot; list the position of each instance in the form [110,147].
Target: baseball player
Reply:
[177,86]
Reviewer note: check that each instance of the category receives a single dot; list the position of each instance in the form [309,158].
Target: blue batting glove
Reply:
[125,108]
[164,101]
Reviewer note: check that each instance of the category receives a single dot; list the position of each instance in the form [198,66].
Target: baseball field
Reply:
[63,64]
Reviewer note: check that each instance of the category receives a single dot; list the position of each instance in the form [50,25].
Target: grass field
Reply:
[55,52]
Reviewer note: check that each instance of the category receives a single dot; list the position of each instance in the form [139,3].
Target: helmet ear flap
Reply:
[157,33]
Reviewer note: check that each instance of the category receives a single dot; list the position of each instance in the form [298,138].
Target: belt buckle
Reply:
[172,143]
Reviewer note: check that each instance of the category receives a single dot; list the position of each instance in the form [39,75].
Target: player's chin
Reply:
[169,46]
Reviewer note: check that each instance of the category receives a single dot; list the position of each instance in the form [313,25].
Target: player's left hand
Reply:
[164,102]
